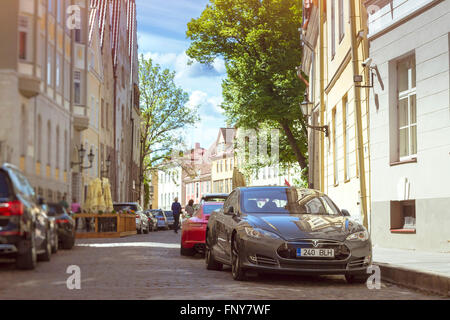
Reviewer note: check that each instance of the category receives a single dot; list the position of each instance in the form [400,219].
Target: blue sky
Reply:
[162,28]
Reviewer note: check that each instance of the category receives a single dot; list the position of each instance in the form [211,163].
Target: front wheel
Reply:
[352,278]
[27,260]
[237,271]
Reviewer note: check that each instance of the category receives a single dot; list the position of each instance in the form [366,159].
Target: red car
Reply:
[194,229]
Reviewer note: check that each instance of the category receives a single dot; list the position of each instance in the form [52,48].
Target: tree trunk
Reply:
[293,143]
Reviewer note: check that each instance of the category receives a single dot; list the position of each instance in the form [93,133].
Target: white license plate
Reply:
[306,252]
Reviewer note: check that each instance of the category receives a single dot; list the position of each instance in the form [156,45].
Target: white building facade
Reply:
[410,124]
[169,187]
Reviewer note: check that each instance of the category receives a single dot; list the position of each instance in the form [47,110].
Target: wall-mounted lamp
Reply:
[373,71]
[307,108]
[81,155]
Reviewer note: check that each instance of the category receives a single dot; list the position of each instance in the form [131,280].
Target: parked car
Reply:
[214,197]
[53,229]
[162,219]
[24,226]
[194,229]
[152,220]
[286,229]
[142,225]
[170,219]
[65,225]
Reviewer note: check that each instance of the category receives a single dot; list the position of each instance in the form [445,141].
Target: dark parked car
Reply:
[53,229]
[152,220]
[170,219]
[24,226]
[285,229]
[65,225]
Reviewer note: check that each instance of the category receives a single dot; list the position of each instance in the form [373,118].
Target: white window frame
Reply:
[402,95]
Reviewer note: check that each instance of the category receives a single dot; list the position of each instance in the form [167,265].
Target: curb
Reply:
[420,280]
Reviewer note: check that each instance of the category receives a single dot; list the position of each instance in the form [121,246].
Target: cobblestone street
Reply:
[150,267]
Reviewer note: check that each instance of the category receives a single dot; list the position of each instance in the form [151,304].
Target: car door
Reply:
[230,221]
[223,224]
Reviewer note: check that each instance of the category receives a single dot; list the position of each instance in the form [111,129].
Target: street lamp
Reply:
[81,155]
[105,173]
[307,107]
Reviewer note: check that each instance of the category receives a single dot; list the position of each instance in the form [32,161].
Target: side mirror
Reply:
[345,213]
[230,211]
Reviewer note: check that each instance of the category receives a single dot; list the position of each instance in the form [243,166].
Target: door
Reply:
[225,224]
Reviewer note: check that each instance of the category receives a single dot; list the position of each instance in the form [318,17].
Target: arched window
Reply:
[49,143]
[39,138]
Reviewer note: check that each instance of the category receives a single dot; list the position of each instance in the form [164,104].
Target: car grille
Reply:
[358,263]
[289,250]
[265,261]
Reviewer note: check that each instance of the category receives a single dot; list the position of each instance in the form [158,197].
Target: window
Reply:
[403,216]
[77,87]
[335,149]
[341,20]
[58,11]
[22,45]
[50,6]
[39,138]
[49,65]
[58,71]
[49,143]
[407,108]
[346,127]
[103,113]
[333,29]
[57,148]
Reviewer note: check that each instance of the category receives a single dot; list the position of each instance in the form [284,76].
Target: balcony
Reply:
[29,86]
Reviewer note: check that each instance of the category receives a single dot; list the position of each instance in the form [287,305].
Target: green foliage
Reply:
[146,195]
[259,41]
[163,114]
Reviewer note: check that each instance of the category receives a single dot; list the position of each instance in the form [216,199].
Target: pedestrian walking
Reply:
[190,208]
[176,209]
[64,203]
[75,207]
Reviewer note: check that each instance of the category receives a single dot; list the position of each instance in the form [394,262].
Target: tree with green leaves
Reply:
[259,41]
[164,113]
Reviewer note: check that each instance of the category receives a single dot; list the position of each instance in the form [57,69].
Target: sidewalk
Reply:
[429,271]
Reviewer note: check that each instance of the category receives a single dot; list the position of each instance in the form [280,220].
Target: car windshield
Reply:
[214,198]
[55,210]
[4,189]
[125,207]
[158,213]
[287,201]
[169,214]
[207,209]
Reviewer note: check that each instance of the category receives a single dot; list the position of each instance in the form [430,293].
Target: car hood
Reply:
[305,226]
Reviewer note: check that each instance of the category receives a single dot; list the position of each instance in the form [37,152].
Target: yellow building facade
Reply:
[334,38]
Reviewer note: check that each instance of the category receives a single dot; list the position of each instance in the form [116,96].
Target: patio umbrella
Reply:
[107,195]
[87,206]
[99,202]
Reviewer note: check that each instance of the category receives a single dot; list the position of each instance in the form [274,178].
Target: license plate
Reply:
[306,252]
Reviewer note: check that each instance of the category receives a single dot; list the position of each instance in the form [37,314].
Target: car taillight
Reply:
[12,208]
[161,219]
[137,216]
[61,221]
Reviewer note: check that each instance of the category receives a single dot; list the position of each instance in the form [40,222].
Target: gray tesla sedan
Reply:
[286,230]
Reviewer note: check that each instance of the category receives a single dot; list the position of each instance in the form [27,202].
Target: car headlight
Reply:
[260,233]
[359,236]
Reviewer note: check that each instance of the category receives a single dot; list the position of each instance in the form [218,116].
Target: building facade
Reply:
[410,124]
[335,46]
[169,185]
[222,161]
[58,91]
[196,175]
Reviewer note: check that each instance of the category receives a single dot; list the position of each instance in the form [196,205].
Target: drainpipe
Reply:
[322,94]
[358,106]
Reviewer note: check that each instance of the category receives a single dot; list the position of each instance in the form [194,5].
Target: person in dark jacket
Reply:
[176,209]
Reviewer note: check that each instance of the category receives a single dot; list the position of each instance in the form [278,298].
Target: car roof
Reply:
[212,203]
[280,187]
